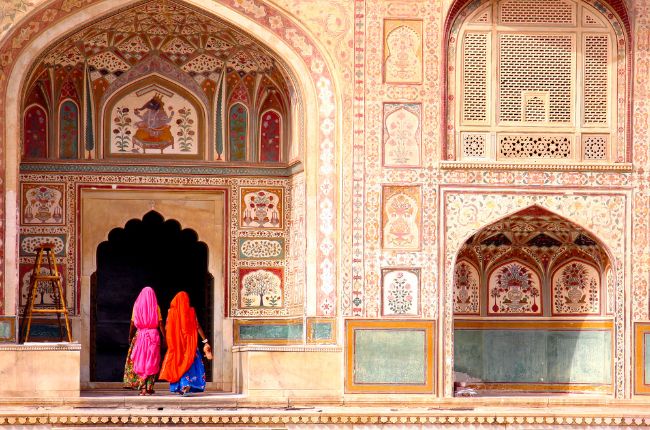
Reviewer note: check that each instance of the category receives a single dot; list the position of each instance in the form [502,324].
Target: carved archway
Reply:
[151,252]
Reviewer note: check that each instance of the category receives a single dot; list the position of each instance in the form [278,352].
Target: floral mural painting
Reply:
[514,289]
[68,130]
[42,204]
[261,208]
[261,287]
[35,132]
[270,136]
[466,289]
[400,292]
[576,289]
[153,121]
[238,132]
[401,214]
[402,134]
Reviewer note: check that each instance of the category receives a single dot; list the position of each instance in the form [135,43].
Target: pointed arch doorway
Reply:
[106,214]
[151,252]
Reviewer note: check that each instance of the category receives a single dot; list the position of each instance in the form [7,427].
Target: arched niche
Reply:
[154,117]
[314,96]
[540,326]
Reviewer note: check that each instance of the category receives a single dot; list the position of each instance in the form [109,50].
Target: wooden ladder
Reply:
[54,277]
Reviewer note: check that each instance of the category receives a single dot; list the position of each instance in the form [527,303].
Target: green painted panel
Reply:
[580,356]
[534,356]
[321,331]
[6,332]
[646,358]
[390,356]
[513,356]
[270,331]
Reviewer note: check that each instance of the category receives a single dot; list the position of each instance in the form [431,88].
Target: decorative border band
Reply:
[185,418]
[640,357]
[618,167]
[159,169]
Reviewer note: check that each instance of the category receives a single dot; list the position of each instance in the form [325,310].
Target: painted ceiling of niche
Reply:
[540,233]
[200,45]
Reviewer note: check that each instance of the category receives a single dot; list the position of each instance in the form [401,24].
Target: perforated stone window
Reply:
[474,145]
[535,63]
[594,147]
[475,76]
[527,146]
[536,80]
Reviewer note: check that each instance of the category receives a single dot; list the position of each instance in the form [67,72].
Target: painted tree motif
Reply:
[261,288]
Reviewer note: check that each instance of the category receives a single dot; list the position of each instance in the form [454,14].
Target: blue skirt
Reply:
[193,378]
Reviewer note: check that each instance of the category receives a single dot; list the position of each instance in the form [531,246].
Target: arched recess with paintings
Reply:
[151,116]
[533,300]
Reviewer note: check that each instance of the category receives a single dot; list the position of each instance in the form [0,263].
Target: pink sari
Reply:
[146,351]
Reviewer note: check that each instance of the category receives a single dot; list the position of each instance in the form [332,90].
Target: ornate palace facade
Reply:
[405,198]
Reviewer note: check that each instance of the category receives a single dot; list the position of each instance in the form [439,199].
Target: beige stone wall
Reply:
[40,370]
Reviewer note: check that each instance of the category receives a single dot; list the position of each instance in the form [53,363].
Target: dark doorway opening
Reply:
[147,252]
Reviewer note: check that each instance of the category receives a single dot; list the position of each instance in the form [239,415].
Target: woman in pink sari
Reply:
[143,358]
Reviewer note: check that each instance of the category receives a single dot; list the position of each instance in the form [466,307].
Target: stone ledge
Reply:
[287,348]
[285,417]
[41,346]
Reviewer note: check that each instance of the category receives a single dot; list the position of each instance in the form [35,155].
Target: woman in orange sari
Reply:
[182,366]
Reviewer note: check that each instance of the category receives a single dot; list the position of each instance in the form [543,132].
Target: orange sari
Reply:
[181,331]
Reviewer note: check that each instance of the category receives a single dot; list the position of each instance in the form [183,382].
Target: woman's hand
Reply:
[207,351]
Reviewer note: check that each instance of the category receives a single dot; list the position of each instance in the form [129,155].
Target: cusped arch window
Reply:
[537,81]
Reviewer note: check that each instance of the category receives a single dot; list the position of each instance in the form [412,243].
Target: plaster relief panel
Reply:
[154,120]
[401,217]
[514,289]
[402,134]
[466,289]
[403,51]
